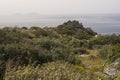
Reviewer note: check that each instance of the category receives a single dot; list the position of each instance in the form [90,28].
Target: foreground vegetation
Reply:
[66,52]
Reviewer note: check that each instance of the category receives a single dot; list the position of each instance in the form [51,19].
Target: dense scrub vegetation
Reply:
[110,53]
[60,53]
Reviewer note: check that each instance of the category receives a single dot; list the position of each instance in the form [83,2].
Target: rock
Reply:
[113,70]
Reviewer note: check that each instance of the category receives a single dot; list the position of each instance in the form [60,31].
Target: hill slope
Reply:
[74,28]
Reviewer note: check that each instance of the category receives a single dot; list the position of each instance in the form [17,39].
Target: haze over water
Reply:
[101,23]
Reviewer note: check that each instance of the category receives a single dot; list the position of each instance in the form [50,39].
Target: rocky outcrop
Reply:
[112,70]
[73,28]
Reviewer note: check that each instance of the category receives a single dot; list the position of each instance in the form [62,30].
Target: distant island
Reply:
[68,51]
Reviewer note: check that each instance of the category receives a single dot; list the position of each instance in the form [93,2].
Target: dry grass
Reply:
[91,60]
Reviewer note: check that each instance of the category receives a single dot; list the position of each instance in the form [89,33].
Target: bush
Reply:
[105,40]
[2,69]
[50,71]
[110,52]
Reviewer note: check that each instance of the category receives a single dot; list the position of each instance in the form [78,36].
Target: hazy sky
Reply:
[59,6]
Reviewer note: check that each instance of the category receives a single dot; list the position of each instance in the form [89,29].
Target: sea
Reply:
[100,23]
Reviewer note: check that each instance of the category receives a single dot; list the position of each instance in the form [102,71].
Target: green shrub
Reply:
[110,52]
[105,40]
[2,69]
[50,71]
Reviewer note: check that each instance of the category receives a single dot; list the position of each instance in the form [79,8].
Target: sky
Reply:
[59,6]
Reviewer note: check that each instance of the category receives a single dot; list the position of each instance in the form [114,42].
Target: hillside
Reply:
[75,28]
[66,52]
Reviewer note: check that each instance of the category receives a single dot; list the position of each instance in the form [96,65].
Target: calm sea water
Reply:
[101,23]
